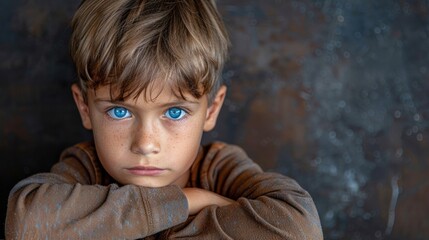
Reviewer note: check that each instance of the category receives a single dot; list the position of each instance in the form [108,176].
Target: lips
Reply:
[145,171]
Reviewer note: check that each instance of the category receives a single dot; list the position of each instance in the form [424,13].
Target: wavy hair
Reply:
[134,45]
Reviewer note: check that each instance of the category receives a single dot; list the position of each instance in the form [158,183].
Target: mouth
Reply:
[145,171]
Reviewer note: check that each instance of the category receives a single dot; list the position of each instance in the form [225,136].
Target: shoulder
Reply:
[223,157]
[80,150]
[82,157]
[219,165]
[223,150]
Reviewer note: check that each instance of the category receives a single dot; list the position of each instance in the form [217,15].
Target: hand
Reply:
[199,198]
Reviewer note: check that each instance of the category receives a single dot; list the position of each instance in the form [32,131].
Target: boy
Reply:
[149,87]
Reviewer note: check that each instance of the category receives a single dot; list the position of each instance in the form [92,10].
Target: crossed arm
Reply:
[228,199]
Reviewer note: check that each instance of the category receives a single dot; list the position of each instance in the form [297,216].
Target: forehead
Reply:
[157,94]
[151,87]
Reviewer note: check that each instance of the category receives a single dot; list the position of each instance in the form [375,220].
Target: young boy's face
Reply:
[144,142]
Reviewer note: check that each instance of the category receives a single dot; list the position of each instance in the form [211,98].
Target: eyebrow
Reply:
[167,104]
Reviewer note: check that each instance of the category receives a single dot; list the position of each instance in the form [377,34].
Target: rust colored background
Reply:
[333,93]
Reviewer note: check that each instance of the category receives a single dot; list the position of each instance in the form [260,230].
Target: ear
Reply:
[214,109]
[82,106]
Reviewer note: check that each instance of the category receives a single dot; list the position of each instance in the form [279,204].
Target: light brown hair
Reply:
[132,45]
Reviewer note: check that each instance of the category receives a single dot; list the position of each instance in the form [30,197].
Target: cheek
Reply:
[109,138]
[181,137]
[189,135]
[106,129]
[188,130]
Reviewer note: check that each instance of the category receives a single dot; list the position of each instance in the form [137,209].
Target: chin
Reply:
[151,185]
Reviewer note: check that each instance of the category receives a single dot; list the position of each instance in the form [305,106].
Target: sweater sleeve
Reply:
[70,203]
[268,205]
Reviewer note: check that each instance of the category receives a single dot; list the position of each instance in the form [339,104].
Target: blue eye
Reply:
[175,113]
[119,113]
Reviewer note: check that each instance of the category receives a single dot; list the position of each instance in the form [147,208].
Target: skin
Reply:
[151,143]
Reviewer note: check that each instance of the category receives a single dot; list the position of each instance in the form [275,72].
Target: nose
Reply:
[145,140]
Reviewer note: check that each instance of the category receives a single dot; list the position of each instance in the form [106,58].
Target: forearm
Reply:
[92,211]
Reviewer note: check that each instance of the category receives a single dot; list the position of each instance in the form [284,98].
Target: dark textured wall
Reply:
[333,93]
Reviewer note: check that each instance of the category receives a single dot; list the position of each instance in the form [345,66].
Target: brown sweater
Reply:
[78,200]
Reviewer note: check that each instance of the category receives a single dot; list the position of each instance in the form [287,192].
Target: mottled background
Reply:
[332,93]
